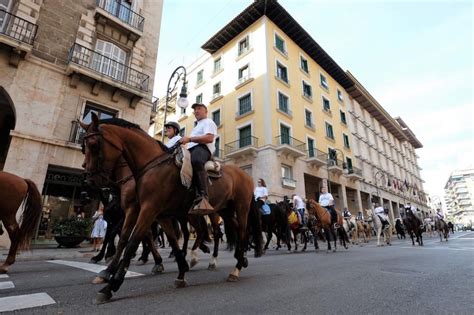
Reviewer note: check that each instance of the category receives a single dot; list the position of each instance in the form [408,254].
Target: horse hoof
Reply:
[109,259]
[102,298]
[232,278]
[141,262]
[158,268]
[3,270]
[334,250]
[178,283]
[193,263]
[93,261]
[98,280]
[346,247]
[245,263]
[211,267]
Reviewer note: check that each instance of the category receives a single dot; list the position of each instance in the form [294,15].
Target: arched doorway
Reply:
[7,123]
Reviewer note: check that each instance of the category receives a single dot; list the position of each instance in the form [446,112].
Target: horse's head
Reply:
[101,151]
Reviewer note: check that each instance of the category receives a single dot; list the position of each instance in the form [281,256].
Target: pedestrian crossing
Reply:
[90,267]
[20,302]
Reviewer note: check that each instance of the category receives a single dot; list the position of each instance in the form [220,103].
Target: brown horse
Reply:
[324,220]
[443,229]
[413,226]
[13,191]
[159,190]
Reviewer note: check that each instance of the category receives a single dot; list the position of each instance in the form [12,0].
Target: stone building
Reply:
[59,62]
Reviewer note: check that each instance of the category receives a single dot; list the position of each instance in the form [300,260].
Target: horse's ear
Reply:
[95,121]
[83,125]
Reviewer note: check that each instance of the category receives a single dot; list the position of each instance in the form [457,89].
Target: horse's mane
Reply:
[126,124]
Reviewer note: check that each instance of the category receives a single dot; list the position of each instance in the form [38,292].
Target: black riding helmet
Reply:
[174,125]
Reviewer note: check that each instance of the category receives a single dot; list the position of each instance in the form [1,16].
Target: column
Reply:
[390,212]
[358,201]
[342,192]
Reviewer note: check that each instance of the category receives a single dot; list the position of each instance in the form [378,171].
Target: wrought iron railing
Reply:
[17,28]
[354,170]
[124,13]
[250,141]
[336,162]
[315,153]
[219,154]
[101,64]
[154,104]
[292,142]
[77,133]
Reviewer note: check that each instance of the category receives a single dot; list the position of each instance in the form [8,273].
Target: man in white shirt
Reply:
[380,212]
[201,144]
[326,200]
[172,132]
[298,206]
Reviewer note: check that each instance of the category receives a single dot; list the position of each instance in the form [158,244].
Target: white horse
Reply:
[351,228]
[428,226]
[387,232]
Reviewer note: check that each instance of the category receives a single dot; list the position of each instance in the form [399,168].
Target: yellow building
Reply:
[281,105]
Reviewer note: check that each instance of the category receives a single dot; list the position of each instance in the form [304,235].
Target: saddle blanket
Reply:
[183,161]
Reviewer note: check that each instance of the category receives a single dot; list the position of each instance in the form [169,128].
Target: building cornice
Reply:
[411,136]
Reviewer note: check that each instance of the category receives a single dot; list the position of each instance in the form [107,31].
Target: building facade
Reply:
[282,106]
[459,196]
[59,62]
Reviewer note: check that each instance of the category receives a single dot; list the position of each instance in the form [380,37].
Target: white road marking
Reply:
[19,302]
[6,285]
[3,276]
[91,267]
[441,248]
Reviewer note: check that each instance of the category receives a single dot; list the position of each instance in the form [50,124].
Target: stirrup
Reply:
[201,206]
[336,225]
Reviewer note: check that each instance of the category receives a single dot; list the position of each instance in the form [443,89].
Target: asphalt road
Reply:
[435,279]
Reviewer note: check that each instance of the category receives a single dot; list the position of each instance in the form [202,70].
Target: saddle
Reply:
[182,159]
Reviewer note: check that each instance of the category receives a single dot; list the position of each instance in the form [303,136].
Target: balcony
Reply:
[219,155]
[289,146]
[335,166]
[121,17]
[317,158]
[353,173]
[288,182]
[102,69]
[18,34]
[242,148]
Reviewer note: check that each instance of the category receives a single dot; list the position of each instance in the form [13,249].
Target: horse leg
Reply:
[334,235]
[13,230]
[328,238]
[158,267]
[215,233]
[241,210]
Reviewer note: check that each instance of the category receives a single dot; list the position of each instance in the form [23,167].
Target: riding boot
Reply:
[201,205]
[1,228]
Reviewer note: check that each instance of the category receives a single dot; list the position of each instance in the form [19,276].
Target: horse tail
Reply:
[176,228]
[30,216]
[230,232]
[205,231]
[255,226]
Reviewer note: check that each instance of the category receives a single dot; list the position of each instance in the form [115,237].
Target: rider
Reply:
[413,210]
[172,132]
[261,193]
[440,215]
[346,213]
[380,212]
[326,200]
[201,144]
[298,206]
[360,216]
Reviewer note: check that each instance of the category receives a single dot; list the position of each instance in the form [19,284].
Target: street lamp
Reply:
[177,75]
[333,158]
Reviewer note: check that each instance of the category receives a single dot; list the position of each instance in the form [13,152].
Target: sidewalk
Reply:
[50,252]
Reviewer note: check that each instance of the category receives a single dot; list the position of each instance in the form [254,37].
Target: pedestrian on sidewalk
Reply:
[100,227]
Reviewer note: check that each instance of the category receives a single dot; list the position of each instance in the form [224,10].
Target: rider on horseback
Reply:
[172,132]
[261,194]
[298,206]
[201,145]
[326,200]
[440,215]
[414,212]
[380,212]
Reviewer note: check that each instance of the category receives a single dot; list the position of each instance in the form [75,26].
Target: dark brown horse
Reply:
[13,191]
[159,190]
[413,226]
[443,230]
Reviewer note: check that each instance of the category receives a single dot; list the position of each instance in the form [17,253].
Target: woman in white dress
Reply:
[100,227]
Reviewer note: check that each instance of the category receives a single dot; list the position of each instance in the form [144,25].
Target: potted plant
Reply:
[71,232]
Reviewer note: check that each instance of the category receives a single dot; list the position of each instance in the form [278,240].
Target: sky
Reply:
[414,57]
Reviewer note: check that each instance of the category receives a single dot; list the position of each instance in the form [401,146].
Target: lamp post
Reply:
[438,204]
[333,158]
[178,74]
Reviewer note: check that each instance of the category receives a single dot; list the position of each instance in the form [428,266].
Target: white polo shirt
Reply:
[171,142]
[260,191]
[204,126]
[298,202]
[325,199]
[379,210]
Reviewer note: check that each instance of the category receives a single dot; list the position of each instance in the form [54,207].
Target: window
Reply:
[307,91]
[199,98]
[216,117]
[349,165]
[326,105]
[310,147]
[244,73]
[308,115]
[217,64]
[346,140]
[243,46]
[343,117]
[182,132]
[280,44]
[286,171]
[282,72]
[339,96]
[245,104]
[284,134]
[324,82]
[329,131]
[283,103]
[245,136]
[218,144]
[90,108]
[200,77]
[304,64]
[113,65]
[216,90]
